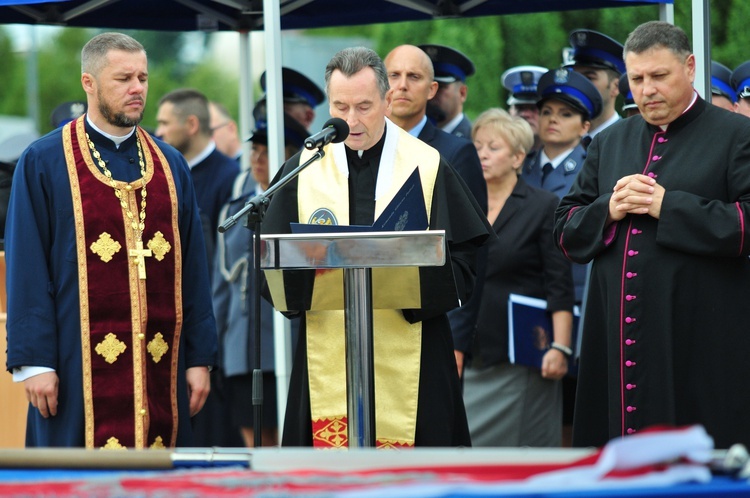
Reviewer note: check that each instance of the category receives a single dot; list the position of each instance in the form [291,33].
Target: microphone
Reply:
[334,130]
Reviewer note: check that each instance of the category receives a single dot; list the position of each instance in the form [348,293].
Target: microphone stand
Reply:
[255,210]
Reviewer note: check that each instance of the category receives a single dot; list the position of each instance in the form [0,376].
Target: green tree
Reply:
[494,43]
[12,91]
[59,68]
[729,33]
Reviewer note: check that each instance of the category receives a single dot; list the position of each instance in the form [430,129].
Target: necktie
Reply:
[585,141]
[546,170]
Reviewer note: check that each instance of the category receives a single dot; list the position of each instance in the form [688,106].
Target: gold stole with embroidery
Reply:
[397,343]
[130,327]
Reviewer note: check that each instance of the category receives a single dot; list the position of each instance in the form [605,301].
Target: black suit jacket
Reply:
[523,259]
[462,155]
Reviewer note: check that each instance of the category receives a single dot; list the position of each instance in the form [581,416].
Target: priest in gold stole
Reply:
[418,398]
[110,322]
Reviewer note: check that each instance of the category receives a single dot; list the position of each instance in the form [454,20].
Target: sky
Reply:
[23,34]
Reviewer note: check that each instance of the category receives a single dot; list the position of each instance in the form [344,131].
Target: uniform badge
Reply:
[528,82]
[561,76]
[323,216]
[569,165]
[76,110]
[582,38]
[432,52]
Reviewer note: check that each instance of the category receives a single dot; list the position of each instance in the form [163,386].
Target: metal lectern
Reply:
[357,254]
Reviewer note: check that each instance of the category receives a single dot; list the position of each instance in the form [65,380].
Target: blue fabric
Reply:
[213,178]
[43,301]
[559,182]
[461,154]
[233,294]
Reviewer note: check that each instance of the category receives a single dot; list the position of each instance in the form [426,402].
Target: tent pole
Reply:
[701,39]
[246,122]
[275,110]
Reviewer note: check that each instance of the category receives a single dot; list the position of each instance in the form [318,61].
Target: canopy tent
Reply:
[272,16]
[239,15]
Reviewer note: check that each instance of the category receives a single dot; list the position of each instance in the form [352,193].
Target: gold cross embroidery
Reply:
[159,245]
[113,444]
[157,347]
[139,253]
[158,444]
[105,247]
[335,433]
[110,348]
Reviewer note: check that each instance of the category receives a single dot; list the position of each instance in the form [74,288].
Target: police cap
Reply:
[67,112]
[297,88]
[450,65]
[294,133]
[572,88]
[521,82]
[721,81]
[741,80]
[624,86]
[594,49]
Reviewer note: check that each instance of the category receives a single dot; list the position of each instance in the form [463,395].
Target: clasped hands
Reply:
[636,194]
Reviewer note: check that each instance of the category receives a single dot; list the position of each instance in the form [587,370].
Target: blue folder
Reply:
[530,332]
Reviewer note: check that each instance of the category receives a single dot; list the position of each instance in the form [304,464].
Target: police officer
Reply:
[446,108]
[722,93]
[67,112]
[568,104]
[741,84]
[599,58]
[301,95]
[521,83]
[234,299]
[629,107]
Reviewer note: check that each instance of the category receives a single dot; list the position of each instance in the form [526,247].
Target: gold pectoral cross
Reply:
[140,253]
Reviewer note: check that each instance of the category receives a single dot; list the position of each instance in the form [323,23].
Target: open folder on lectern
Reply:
[393,287]
[405,212]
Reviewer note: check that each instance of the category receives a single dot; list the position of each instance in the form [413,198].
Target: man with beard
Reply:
[110,323]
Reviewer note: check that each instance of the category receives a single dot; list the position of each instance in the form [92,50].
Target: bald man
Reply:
[412,80]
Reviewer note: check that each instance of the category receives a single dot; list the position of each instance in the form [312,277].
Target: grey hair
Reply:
[658,34]
[190,102]
[94,53]
[352,60]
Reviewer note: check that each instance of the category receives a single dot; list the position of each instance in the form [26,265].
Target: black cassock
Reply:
[666,335]
[441,418]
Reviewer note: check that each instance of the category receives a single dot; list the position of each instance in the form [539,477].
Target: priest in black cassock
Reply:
[417,391]
[662,207]
[110,322]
